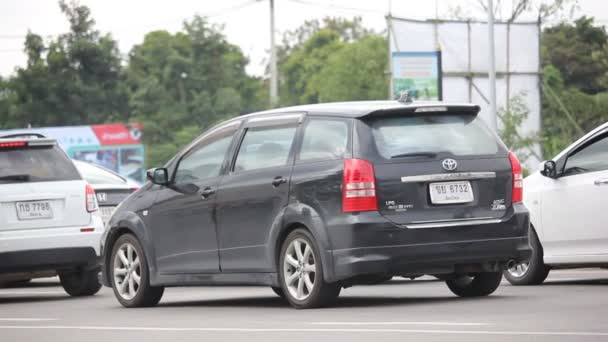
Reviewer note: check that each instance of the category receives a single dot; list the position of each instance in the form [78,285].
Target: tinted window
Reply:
[204,161]
[324,140]
[592,158]
[36,164]
[265,147]
[458,135]
[97,175]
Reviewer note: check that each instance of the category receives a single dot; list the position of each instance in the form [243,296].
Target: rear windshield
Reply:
[96,175]
[458,135]
[35,164]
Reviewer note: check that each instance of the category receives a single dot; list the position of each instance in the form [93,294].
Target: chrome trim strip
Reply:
[452,223]
[441,177]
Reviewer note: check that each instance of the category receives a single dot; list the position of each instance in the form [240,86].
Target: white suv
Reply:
[49,224]
[568,207]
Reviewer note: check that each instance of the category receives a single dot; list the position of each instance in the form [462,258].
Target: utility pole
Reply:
[492,66]
[274,91]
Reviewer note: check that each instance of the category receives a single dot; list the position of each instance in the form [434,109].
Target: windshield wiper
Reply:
[17,177]
[416,154]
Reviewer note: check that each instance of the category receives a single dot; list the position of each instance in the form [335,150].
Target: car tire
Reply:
[478,285]
[83,283]
[128,265]
[301,273]
[532,273]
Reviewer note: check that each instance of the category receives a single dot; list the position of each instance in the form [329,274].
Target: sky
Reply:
[246,21]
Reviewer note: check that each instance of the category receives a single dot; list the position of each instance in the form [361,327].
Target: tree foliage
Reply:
[332,60]
[179,84]
[73,79]
[575,74]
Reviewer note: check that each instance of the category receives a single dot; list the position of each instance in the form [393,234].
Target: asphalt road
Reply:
[571,306]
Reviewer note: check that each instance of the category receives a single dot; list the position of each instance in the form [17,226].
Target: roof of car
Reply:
[357,109]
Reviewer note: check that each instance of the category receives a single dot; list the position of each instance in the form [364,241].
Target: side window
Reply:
[264,147]
[591,158]
[205,160]
[324,139]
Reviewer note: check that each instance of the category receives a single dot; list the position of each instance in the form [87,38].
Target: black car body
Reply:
[354,180]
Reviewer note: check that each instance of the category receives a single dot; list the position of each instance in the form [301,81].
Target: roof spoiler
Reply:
[23,136]
[436,108]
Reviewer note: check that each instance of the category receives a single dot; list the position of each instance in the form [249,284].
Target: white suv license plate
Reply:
[34,210]
[106,213]
[451,192]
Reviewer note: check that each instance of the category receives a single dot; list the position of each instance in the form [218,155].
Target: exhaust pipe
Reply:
[511,263]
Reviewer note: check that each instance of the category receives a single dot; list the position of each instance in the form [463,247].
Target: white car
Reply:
[110,187]
[49,220]
[568,203]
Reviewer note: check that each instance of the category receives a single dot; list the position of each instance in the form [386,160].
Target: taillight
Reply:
[90,199]
[517,192]
[13,144]
[359,187]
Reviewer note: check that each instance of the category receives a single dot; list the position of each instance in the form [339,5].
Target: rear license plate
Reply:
[106,213]
[451,192]
[34,210]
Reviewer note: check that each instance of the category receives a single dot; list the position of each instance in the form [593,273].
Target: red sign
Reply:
[118,134]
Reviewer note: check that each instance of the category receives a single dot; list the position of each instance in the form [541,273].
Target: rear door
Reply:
[40,188]
[436,167]
[254,192]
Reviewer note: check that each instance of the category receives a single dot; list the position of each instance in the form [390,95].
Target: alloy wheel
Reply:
[127,271]
[519,270]
[299,269]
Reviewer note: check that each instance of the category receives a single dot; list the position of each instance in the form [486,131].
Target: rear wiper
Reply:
[415,154]
[18,177]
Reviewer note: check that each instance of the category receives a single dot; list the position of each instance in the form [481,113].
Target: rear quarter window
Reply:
[458,135]
[36,164]
[324,139]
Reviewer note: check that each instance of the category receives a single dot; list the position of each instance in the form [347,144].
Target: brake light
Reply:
[359,186]
[517,192]
[90,198]
[13,144]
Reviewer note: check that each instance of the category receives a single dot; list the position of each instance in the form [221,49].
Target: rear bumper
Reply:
[53,238]
[373,245]
[56,259]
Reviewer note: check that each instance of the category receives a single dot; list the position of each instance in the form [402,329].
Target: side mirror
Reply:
[158,175]
[549,169]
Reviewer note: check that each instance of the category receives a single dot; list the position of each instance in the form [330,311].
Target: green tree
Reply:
[579,52]
[73,79]
[180,84]
[355,72]
[575,82]
[332,60]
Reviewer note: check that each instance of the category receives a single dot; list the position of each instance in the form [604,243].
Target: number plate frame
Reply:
[451,196]
[34,210]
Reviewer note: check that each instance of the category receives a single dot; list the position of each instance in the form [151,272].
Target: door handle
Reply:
[277,181]
[603,181]
[207,192]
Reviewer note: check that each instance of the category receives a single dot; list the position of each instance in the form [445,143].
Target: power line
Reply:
[344,8]
[211,14]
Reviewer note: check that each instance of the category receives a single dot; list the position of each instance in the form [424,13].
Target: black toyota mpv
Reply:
[312,199]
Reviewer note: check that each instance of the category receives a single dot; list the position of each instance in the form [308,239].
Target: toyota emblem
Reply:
[449,164]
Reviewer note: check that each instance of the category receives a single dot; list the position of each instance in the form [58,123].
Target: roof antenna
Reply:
[406,97]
